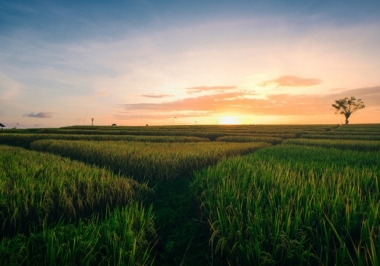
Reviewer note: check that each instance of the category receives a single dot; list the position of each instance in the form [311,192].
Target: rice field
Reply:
[352,144]
[147,161]
[289,206]
[45,205]
[239,138]
[190,195]
[124,236]
[25,139]
[42,187]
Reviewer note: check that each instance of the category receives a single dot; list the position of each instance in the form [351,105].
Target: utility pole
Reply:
[92,119]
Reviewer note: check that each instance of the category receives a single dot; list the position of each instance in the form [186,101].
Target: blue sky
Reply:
[145,62]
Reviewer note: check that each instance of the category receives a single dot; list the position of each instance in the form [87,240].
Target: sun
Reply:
[229,120]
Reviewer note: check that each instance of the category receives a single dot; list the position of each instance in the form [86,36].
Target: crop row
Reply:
[142,160]
[359,128]
[124,236]
[342,137]
[344,133]
[39,188]
[139,135]
[359,145]
[24,140]
[272,140]
[275,208]
[319,158]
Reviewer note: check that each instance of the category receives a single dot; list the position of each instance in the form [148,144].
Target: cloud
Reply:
[151,95]
[39,115]
[161,116]
[192,90]
[1,113]
[240,102]
[370,96]
[291,81]
[201,103]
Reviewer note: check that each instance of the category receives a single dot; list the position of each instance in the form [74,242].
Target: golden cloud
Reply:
[237,102]
[151,95]
[192,90]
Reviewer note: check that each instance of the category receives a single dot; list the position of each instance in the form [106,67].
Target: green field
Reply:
[191,195]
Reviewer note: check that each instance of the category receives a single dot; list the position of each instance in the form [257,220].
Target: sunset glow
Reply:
[144,62]
[229,120]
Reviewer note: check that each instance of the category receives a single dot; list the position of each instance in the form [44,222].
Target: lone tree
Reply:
[347,106]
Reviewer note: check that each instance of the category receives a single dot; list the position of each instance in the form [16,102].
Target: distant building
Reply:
[113,125]
[1,125]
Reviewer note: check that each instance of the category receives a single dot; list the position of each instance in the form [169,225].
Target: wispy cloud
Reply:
[39,115]
[152,95]
[192,90]
[150,116]
[201,103]
[291,81]
[370,96]
[241,103]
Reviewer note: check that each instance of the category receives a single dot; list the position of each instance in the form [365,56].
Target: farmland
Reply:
[191,195]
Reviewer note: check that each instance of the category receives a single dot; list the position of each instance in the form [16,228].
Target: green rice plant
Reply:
[284,210]
[211,131]
[37,187]
[160,133]
[318,158]
[240,138]
[359,145]
[344,133]
[263,135]
[124,236]
[343,137]
[359,128]
[199,134]
[142,160]
[24,140]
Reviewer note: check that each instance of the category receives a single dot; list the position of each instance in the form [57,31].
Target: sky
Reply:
[182,62]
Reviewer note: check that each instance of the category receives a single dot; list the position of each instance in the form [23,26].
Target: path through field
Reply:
[183,232]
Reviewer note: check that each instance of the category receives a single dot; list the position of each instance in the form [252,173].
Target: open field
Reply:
[146,161]
[291,206]
[352,144]
[191,195]
[25,139]
[44,199]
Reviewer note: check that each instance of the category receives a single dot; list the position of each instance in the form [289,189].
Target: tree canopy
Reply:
[347,106]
